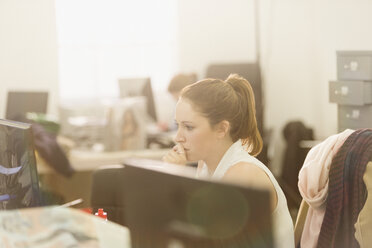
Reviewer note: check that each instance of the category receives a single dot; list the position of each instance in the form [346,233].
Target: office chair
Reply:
[347,221]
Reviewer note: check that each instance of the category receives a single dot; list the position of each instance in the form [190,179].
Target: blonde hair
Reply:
[231,100]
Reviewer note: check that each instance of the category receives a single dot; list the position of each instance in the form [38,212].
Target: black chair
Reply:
[294,156]
[106,192]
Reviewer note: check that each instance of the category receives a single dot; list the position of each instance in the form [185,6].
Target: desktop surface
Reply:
[60,227]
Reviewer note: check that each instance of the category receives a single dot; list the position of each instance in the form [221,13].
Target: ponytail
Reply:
[244,126]
[231,100]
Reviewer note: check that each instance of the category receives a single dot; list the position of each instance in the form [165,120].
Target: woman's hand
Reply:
[176,156]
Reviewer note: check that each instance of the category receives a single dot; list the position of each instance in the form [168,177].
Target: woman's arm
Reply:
[249,175]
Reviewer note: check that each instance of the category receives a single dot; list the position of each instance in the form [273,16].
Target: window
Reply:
[100,41]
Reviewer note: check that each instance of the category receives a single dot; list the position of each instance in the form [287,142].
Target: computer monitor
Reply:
[129,87]
[164,204]
[19,186]
[21,102]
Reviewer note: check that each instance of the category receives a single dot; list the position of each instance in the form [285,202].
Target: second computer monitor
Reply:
[130,87]
[19,103]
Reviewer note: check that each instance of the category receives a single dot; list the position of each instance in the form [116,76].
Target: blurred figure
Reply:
[130,131]
[177,83]
[180,81]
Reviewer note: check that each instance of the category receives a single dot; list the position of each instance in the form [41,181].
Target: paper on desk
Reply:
[58,228]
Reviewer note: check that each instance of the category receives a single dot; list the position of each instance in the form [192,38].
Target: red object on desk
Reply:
[101,214]
[87,210]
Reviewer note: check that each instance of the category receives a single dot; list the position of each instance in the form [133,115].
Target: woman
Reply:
[217,127]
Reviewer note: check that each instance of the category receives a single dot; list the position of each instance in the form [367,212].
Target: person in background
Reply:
[180,81]
[217,127]
[177,83]
[129,131]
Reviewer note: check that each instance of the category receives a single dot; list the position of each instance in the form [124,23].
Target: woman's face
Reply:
[194,132]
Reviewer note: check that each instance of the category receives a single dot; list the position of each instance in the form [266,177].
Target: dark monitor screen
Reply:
[162,207]
[18,175]
[21,102]
[130,87]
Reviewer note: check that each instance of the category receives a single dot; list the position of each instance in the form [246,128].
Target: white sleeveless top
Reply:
[282,222]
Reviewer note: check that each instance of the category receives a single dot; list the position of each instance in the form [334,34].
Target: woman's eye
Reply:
[189,128]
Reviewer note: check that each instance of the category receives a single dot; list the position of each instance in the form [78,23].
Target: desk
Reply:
[85,162]
[89,160]
[61,228]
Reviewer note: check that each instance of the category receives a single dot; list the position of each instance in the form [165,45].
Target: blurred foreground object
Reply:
[59,227]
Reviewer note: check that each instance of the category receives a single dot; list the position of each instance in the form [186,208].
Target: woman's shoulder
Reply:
[250,175]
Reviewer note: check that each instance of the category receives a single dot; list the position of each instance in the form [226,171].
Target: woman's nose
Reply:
[179,137]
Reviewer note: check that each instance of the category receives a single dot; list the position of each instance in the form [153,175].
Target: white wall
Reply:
[299,56]
[214,31]
[299,40]
[28,49]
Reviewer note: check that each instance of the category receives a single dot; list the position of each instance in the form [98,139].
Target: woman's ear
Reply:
[223,129]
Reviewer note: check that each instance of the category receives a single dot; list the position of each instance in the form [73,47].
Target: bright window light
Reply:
[100,41]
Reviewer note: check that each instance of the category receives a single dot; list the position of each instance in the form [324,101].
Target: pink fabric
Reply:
[313,184]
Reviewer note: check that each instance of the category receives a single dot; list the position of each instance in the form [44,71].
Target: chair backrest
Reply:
[363,226]
[106,183]
[294,155]
[300,222]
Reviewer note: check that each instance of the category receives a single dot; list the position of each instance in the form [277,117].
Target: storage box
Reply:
[354,65]
[350,92]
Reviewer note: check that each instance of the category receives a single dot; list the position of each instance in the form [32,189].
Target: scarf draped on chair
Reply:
[347,191]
